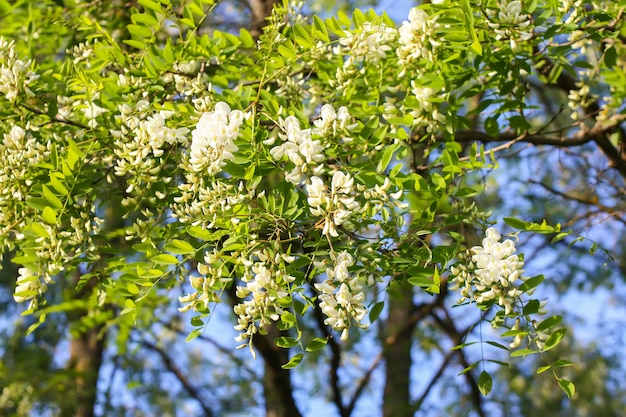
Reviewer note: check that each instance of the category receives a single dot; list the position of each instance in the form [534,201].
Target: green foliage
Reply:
[322,168]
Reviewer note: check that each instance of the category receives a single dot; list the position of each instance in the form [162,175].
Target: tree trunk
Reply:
[86,351]
[397,355]
[277,388]
[260,10]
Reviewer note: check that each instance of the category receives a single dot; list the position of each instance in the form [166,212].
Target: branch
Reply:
[224,350]
[582,136]
[447,325]
[567,83]
[435,378]
[55,119]
[363,383]
[601,207]
[171,366]
[335,360]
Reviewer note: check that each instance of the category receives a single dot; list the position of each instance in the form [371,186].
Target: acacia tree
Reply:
[318,180]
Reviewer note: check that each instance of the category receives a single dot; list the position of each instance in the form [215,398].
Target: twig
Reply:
[182,378]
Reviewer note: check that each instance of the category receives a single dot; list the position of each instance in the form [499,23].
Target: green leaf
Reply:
[164,259]
[485,383]
[51,198]
[246,38]
[132,288]
[151,5]
[302,36]
[610,57]
[145,19]
[58,185]
[531,283]
[421,276]
[288,318]
[139,32]
[542,369]
[320,29]
[554,339]
[197,321]
[316,344]
[32,327]
[179,247]
[531,307]
[567,386]
[199,233]
[469,368]
[39,230]
[523,352]
[193,335]
[135,43]
[498,345]
[295,361]
[287,50]
[549,322]
[515,223]
[376,310]
[285,342]
[561,363]
[48,215]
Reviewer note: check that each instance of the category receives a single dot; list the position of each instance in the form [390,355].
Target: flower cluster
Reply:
[29,286]
[341,296]
[204,203]
[510,23]
[212,142]
[265,294]
[491,274]
[15,76]
[331,121]
[300,149]
[335,205]
[149,133]
[426,114]
[418,37]
[188,79]
[207,286]
[370,46]
[142,138]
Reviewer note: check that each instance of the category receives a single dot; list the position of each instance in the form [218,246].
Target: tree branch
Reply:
[456,336]
[182,378]
[617,214]
[335,361]
[567,83]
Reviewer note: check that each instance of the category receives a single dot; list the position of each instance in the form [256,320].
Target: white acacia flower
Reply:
[335,205]
[212,142]
[418,38]
[266,286]
[492,273]
[15,75]
[299,148]
[510,23]
[28,286]
[341,296]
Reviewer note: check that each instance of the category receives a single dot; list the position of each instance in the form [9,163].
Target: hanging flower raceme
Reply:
[491,273]
[264,295]
[212,142]
[300,149]
[341,296]
[335,205]
[15,76]
[29,286]
[509,22]
[418,37]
